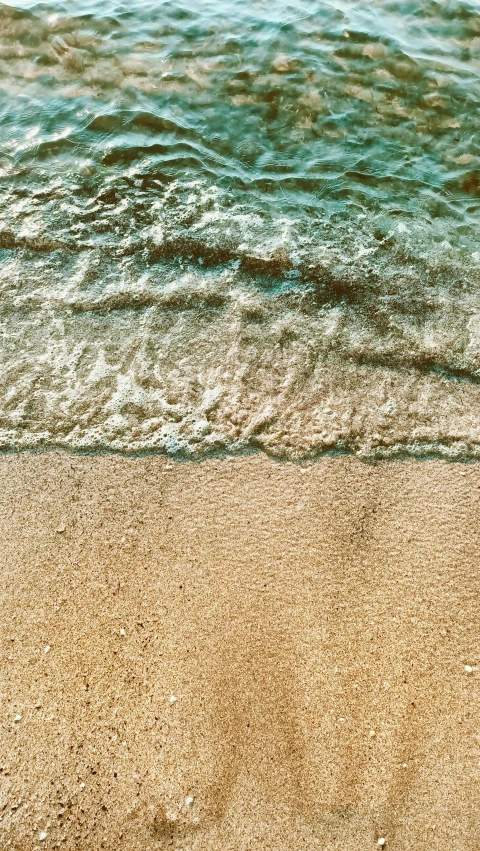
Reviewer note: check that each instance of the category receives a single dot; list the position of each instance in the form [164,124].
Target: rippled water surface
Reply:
[228,225]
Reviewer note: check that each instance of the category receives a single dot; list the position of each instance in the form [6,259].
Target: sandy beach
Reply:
[239,654]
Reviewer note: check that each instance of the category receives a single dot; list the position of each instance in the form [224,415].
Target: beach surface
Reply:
[238,654]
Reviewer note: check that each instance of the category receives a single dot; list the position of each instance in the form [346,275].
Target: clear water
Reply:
[228,225]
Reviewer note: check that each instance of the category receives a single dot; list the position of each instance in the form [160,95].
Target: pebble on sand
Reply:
[281,64]
[173,699]
[381,841]
[468,669]
[123,633]
[189,801]
[42,835]
[17,718]
[47,649]
[61,528]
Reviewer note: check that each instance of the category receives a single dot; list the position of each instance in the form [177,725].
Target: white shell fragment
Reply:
[381,841]
[42,835]
[17,718]
[173,699]
[468,669]
[47,649]
[123,633]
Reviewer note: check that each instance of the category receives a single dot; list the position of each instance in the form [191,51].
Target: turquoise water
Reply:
[230,225]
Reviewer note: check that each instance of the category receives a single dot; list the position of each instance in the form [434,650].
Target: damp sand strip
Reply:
[241,653]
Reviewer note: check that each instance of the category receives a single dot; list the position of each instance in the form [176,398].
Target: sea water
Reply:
[229,225]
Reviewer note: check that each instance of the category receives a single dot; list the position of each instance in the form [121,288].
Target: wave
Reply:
[236,227]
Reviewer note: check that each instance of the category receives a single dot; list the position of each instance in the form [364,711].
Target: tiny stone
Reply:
[42,835]
[381,841]
[61,528]
[17,718]
[82,785]
[372,734]
[47,649]
[123,633]
[173,699]
[468,669]
[189,801]
[281,64]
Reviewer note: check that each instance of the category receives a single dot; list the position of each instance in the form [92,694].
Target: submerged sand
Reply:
[239,654]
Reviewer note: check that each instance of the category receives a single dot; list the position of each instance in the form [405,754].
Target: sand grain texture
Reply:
[313,624]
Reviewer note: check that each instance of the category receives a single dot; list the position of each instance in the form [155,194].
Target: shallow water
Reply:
[232,225]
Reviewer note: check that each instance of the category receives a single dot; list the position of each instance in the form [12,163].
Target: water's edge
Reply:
[236,228]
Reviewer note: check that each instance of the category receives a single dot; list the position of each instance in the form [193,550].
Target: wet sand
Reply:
[239,654]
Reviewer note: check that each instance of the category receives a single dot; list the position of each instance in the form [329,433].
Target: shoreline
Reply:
[401,453]
[316,623]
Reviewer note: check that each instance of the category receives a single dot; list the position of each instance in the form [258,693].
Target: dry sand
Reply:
[318,627]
